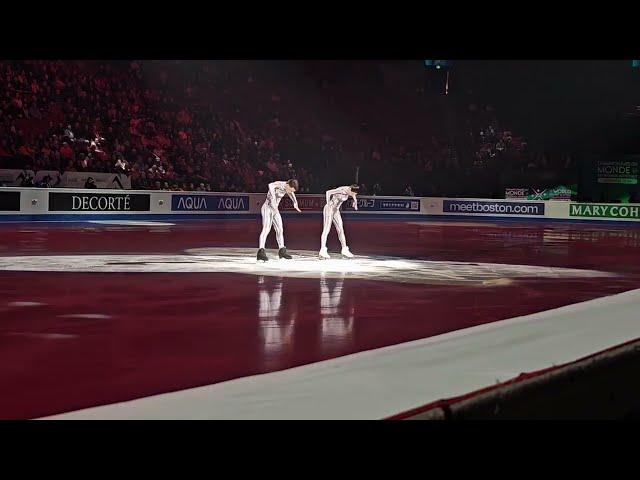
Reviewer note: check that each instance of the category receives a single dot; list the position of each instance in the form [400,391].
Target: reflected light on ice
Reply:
[305,264]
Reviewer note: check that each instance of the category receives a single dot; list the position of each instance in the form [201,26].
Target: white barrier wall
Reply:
[79,202]
[42,204]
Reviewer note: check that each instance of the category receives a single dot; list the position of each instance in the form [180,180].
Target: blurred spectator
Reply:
[121,166]
[26,179]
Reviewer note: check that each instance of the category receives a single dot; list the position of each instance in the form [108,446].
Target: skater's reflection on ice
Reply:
[337,318]
[278,318]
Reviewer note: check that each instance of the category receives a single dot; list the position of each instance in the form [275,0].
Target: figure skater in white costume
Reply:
[271,216]
[331,213]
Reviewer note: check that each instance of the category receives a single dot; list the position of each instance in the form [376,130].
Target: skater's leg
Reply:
[337,221]
[267,219]
[277,226]
[326,228]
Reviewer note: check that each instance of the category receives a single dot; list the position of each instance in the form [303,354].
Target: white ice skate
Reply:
[324,254]
[346,253]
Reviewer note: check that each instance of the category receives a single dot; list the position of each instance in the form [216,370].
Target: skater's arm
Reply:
[292,196]
[272,191]
[328,193]
[355,200]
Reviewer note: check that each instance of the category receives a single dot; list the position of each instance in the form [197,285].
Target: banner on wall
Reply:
[556,193]
[594,210]
[308,203]
[10,177]
[623,171]
[492,207]
[210,203]
[115,181]
[98,202]
[55,178]
[374,204]
[316,203]
[10,201]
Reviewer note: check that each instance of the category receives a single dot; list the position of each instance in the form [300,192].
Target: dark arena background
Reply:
[496,241]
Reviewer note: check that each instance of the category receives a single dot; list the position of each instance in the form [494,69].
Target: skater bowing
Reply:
[331,213]
[271,216]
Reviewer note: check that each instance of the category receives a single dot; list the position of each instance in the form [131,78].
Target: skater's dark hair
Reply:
[354,187]
[293,183]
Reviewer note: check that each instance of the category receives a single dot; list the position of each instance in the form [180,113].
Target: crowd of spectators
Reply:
[236,126]
[106,117]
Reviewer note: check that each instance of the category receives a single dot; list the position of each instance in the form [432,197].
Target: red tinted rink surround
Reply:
[97,313]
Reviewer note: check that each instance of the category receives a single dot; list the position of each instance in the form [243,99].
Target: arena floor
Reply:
[100,313]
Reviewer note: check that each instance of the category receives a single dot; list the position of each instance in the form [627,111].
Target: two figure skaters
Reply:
[331,214]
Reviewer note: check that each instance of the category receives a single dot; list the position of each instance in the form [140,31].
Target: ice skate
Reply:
[324,255]
[282,253]
[262,255]
[346,253]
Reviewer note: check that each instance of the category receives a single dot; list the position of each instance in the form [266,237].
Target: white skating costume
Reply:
[271,214]
[331,213]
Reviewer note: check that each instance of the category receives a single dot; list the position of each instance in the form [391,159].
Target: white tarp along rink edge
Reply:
[380,383]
